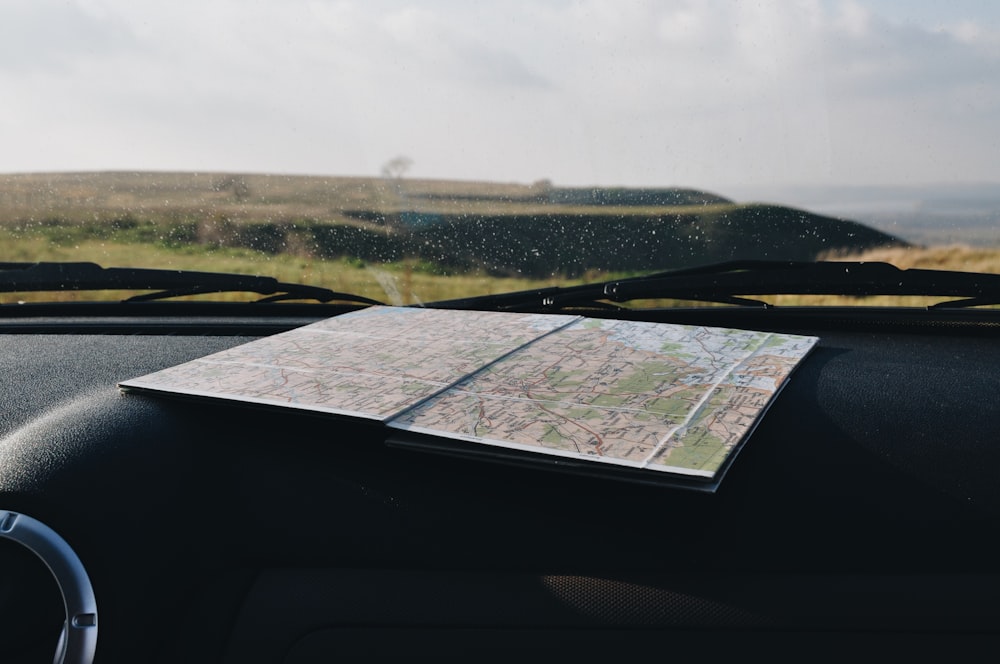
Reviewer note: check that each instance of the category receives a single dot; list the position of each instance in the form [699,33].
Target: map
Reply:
[672,398]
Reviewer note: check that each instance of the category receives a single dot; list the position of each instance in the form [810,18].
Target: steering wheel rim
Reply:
[78,640]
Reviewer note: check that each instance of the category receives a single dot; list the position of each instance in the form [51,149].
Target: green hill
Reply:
[629,242]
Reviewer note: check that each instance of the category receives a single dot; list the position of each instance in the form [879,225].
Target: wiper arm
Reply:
[166,283]
[728,282]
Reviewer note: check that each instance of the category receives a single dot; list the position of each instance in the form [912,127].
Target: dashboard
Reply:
[862,513]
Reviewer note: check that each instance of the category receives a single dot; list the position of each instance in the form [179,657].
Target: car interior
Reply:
[860,513]
[181,179]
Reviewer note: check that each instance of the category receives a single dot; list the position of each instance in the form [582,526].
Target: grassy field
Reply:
[957,257]
[511,230]
[256,198]
[393,283]
[412,241]
[407,282]
[960,257]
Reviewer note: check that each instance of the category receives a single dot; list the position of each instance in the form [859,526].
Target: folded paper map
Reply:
[671,398]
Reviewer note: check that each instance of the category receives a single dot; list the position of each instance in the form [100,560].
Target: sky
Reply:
[699,93]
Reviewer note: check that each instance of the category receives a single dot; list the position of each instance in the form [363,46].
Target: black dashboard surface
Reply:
[863,511]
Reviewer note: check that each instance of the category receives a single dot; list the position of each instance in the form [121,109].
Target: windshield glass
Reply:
[414,152]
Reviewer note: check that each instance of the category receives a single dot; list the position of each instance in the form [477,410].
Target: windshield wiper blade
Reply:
[728,282]
[35,277]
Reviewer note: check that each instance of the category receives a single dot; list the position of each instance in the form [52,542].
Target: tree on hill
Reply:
[396,168]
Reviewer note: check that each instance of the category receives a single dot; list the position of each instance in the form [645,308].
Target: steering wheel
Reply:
[78,639]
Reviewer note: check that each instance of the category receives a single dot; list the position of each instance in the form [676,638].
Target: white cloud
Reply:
[695,92]
[852,19]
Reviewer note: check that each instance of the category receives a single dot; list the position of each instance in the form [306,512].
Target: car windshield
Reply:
[417,152]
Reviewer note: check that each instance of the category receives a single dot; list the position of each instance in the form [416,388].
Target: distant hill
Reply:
[929,213]
[502,228]
[578,242]
[631,197]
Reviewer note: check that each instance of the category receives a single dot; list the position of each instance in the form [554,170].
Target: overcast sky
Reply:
[702,93]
